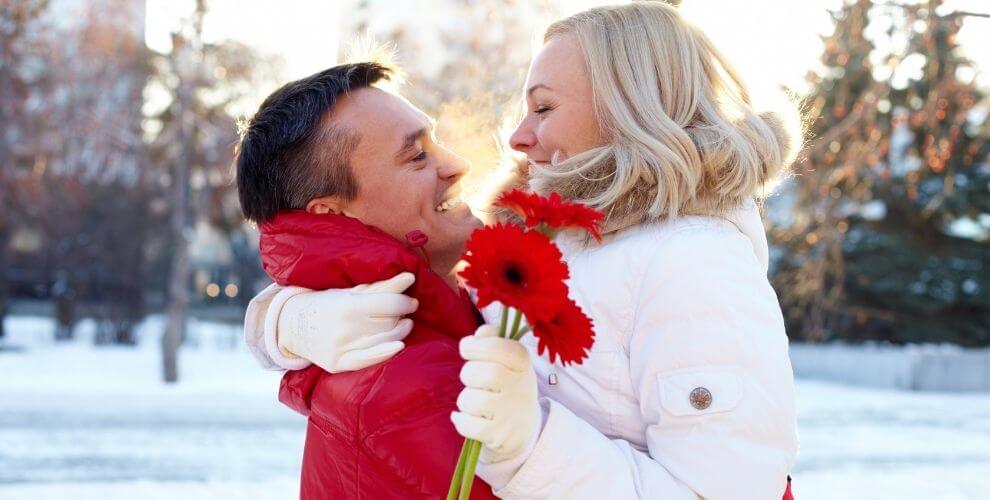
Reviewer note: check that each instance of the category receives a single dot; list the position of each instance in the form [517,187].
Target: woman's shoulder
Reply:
[689,248]
[684,236]
[681,232]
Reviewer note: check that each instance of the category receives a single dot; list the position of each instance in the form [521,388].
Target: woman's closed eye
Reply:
[542,109]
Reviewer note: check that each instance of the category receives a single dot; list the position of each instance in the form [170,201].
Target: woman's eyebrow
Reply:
[537,86]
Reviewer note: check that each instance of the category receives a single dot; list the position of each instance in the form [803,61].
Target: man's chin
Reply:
[467,226]
[474,222]
[461,216]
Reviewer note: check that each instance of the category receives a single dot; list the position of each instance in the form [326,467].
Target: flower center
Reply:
[513,275]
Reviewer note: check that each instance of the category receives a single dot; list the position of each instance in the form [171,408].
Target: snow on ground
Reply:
[886,444]
[96,423]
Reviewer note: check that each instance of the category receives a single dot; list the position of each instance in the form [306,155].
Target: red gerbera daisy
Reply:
[552,211]
[525,204]
[520,269]
[568,334]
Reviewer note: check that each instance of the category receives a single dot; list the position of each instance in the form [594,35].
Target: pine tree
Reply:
[896,166]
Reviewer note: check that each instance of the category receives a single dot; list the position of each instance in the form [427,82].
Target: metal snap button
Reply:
[701,398]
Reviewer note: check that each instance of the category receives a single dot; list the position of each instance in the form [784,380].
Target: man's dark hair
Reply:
[290,154]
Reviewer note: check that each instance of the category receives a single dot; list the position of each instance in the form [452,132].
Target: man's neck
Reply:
[444,265]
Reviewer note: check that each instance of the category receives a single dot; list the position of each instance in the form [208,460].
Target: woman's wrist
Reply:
[281,355]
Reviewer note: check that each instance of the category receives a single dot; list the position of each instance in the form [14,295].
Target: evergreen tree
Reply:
[885,240]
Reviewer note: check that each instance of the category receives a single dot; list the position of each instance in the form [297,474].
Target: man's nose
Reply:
[453,167]
[524,137]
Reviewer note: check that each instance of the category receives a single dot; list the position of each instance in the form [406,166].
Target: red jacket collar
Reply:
[335,251]
[330,251]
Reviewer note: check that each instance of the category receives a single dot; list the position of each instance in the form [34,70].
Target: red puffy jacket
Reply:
[382,432]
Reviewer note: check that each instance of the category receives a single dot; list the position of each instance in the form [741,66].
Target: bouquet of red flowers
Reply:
[520,267]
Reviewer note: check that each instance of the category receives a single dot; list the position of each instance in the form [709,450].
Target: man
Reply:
[348,186]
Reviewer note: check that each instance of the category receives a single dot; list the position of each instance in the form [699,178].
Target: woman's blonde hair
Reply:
[683,135]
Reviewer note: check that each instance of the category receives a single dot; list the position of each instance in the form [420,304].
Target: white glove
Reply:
[498,405]
[347,329]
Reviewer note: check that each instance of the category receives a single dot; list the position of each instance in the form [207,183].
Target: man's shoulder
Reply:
[321,251]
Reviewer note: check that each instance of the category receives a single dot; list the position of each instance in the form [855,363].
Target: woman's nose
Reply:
[523,138]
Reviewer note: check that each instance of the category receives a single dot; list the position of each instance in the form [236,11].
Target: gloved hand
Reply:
[498,405]
[348,329]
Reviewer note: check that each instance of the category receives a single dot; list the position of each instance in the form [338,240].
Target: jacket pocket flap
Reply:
[699,392]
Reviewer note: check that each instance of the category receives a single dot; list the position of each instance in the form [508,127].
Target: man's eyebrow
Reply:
[410,140]
[537,86]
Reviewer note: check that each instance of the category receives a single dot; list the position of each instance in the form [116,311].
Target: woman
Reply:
[688,390]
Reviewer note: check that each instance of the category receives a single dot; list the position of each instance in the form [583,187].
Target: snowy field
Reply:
[96,423]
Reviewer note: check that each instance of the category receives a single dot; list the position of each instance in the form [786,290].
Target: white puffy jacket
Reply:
[688,391]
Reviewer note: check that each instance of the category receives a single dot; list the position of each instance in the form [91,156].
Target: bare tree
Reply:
[92,164]
[22,46]
[183,54]
[195,142]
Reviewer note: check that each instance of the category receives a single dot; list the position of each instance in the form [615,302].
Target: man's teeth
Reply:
[447,205]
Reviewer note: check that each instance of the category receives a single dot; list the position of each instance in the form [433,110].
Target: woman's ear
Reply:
[325,205]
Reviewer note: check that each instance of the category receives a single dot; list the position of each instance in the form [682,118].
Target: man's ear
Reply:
[325,205]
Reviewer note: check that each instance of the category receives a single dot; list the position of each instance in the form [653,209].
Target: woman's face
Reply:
[560,116]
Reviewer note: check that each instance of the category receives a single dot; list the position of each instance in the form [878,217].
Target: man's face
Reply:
[406,181]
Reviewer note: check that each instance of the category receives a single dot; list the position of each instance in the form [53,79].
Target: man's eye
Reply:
[421,156]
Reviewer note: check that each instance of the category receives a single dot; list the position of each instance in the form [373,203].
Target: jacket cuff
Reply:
[544,463]
[254,326]
[284,359]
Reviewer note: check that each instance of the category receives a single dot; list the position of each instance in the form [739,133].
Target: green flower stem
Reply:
[515,324]
[458,478]
[522,331]
[505,321]
[467,480]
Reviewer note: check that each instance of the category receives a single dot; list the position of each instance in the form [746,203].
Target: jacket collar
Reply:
[747,219]
[334,251]
[330,251]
